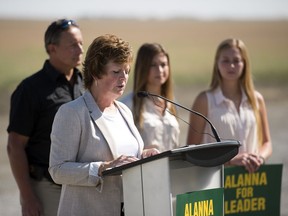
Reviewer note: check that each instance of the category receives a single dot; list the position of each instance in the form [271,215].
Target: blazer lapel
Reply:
[96,116]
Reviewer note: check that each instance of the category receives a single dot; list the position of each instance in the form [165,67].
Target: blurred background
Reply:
[189,30]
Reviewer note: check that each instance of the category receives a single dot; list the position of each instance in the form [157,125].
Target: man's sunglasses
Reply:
[63,24]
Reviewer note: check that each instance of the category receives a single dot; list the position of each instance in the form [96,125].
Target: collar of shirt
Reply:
[220,98]
[55,75]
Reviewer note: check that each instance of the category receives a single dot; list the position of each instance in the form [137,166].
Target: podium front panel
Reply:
[186,177]
[156,187]
[133,191]
[150,189]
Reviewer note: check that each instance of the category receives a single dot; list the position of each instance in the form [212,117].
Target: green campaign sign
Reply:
[252,194]
[200,203]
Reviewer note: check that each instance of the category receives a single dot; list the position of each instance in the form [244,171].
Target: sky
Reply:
[145,9]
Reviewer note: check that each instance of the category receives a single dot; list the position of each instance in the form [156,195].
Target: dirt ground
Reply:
[277,106]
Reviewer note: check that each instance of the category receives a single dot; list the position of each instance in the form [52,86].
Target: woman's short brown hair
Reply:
[102,50]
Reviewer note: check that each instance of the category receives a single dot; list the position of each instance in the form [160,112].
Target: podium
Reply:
[150,185]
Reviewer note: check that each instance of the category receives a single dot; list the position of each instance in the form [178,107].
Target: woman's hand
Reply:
[123,159]
[149,152]
[251,162]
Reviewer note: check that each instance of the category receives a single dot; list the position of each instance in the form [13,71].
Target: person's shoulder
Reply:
[122,105]
[75,104]
[127,100]
[29,82]
[202,96]
[38,76]
[259,97]
[124,108]
[72,108]
[201,101]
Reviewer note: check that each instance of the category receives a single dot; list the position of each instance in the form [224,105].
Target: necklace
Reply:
[160,105]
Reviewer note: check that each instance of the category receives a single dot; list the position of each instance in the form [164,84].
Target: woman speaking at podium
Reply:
[96,132]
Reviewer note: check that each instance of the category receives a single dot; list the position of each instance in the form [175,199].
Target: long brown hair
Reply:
[246,80]
[143,63]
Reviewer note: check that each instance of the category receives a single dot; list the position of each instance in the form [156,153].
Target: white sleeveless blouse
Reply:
[231,124]
[161,131]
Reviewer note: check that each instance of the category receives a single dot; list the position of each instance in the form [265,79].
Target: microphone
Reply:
[214,131]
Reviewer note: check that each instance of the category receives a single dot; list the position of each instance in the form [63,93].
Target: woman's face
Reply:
[113,83]
[230,64]
[159,70]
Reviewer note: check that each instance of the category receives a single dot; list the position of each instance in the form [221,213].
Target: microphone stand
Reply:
[146,94]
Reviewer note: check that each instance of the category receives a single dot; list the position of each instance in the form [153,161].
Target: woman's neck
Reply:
[231,89]
[154,89]
[233,93]
[103,102]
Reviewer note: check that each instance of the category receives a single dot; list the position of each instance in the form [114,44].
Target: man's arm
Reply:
[20,169]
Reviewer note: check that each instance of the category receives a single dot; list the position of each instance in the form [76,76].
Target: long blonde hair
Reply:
[246,80]
[143,63]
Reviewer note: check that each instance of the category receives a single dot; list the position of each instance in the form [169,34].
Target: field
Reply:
[191,45]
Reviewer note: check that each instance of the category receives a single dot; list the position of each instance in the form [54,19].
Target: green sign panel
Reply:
[252,194]
[200,203]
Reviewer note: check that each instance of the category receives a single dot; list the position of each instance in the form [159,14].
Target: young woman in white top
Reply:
[235,108]
[153,116]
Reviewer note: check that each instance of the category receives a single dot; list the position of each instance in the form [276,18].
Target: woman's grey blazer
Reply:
[76,153]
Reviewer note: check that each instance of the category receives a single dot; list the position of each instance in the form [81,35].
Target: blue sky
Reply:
[201,9]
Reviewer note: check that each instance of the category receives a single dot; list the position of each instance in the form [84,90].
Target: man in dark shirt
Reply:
[34,104]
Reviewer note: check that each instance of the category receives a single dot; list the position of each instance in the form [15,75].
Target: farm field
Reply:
[191,44]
